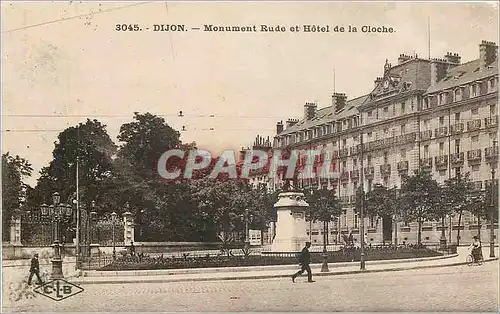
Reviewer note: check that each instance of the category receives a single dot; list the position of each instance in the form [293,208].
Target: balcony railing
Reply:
[352,199]
[403,165]
[343,152]
[487,183]
[355,150]
[441,162]
[474,155]
[426,162]
[440,132]
[354,174]
[491,152]
[344,199]
[344,176]
[457,158]
[369,171]
[410,137]
[457,128]
[385,169]
[477,185]
[491,121]
[425,135]
[474,125]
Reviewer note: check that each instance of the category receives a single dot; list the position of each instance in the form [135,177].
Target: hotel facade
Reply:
[440,115]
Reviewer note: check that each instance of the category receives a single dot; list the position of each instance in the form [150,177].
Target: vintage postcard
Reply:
[176,156]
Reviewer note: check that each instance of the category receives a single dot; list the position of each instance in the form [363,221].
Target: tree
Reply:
[481,205]
[458,196]
[324,206]
[90,144]
[135,176]
[144,141]
[421,195]
[223,204]
[14,190]
[384,202]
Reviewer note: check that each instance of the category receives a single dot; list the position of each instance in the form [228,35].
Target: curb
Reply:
[256,277]
[166,272]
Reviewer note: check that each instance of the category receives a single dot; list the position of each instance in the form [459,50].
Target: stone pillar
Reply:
[128,230]
[94,243]
[291,225]
[15,228]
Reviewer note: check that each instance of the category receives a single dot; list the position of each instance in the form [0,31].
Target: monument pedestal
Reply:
[291,224]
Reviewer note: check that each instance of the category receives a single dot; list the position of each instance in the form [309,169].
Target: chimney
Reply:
[242,153]
[310,110]
[452,58]
[291,122]
[403,58]
[338,101]
[438,69]
[378,80]
[487,53]
[279,127]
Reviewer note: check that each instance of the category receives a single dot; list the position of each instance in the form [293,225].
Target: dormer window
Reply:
[491,85]
[474,90]
[458,94]
[442,99]
[426,102]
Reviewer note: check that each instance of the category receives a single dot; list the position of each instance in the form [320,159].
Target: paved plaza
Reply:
[459,288]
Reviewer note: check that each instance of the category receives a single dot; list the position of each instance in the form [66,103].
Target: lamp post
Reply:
[113,220]
[324,266]
[362,205]
[56,212]
[492,229]
[247,240]
[442,241]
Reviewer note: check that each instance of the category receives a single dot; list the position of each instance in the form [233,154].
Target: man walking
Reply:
[35,270]
[304,261]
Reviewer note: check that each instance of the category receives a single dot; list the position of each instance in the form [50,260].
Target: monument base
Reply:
[293,245]
[291,227]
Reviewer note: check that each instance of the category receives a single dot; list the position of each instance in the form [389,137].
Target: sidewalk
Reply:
[276,272]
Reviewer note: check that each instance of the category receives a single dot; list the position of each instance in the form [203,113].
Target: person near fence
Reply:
[35,270]
[132,249]
[476,248]
[351,239]
[304,261]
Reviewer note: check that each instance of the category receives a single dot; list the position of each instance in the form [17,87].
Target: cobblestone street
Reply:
[461,288]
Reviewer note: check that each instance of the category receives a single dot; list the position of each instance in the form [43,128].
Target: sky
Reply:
[63,62]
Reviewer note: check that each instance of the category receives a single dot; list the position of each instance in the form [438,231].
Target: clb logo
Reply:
[58,289]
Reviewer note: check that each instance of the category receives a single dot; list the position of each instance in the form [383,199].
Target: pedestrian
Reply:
[366,239]
[351,239]
[35,270]
[304,261]
[132,249]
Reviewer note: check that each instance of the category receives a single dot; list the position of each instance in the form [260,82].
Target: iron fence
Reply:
[213,258]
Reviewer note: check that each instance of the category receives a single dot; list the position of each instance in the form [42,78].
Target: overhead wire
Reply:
[72,17]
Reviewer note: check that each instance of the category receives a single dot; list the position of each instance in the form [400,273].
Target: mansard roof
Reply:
[411,75]
[327,115]
[464,74]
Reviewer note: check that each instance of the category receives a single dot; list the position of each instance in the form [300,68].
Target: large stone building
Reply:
[438,114]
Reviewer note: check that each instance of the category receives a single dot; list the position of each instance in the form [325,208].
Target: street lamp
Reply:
[492,229]
[247,236]
[113,220]
[442,241]
[56,212]
[324,266]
